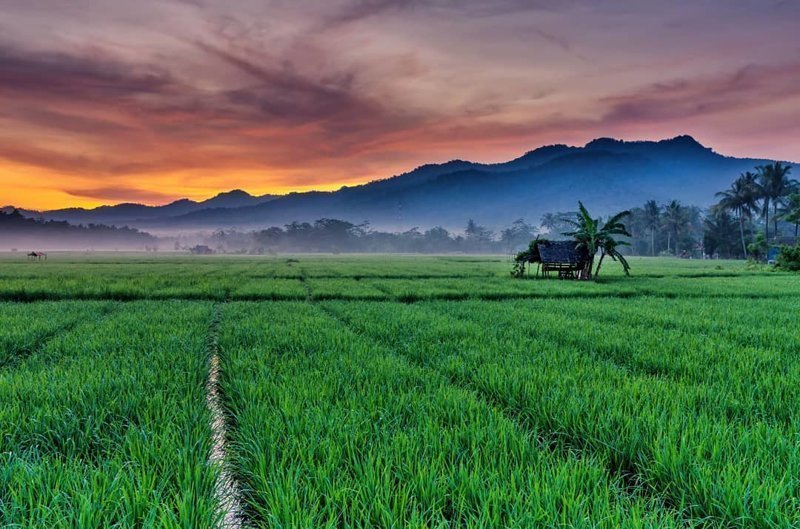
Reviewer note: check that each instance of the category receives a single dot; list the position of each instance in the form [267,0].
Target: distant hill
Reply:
[131,214]
[19,231]
[607,174]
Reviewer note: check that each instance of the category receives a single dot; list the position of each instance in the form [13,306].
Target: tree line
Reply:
[749,216]
[335,235]
[761,208]
[18,231]
[768,195]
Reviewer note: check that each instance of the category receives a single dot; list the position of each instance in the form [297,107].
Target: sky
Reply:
[112,101]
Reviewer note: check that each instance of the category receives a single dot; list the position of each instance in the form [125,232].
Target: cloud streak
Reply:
[273,96]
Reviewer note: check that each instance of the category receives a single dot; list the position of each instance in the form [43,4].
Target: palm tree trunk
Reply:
[676,241]
[775,215]
[766,220]
[741,232]
[599,264]
[653,242]
[669,237]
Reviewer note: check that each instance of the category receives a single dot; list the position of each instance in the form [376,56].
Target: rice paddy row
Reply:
[570,406]
[105,424]
[402,279]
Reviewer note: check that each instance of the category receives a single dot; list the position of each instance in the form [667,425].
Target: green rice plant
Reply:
[345,288]
[332,430]
[106,425]
[26,326]
[269,289]
[670,436]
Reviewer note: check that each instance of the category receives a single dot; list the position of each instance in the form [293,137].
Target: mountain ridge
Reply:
[606,173]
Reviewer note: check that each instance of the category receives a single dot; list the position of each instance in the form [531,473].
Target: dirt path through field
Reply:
[227,489]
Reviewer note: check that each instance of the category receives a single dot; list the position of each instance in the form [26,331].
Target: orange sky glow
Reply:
[155,100]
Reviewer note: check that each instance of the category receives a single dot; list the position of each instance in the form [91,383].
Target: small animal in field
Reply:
[37,256]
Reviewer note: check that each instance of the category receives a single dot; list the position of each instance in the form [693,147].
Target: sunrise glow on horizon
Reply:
[148,102]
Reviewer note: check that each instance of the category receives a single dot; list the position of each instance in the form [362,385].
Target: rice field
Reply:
[395,391]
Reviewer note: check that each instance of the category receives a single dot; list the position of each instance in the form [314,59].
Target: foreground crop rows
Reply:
[105,424]
[346,409]
[334,431]
[709,449]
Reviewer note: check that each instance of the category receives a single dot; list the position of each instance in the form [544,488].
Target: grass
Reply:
[403,391]
[105,425]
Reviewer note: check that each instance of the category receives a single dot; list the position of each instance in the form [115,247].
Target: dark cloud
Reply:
[358,10]
[122,193]
[747,87]
[65,75]
[362,9]
[73,163]
[66,121]
[309,92]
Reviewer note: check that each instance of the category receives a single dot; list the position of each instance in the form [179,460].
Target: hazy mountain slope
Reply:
[607,174]
[133,213]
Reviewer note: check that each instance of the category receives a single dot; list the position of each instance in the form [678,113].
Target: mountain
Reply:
[607,174]
[133,214]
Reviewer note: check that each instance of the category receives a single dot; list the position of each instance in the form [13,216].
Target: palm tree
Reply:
[652,216]
[609,245]
[590,235]
[549,221]
[791,212]
[675,219]
[741,200]
[772,186]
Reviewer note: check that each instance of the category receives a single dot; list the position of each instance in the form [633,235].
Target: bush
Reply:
[789,258]
[758,248]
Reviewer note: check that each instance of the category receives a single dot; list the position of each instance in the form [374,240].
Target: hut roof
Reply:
[562,252]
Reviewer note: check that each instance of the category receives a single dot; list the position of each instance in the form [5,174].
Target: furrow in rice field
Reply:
[226,488]
[553,441]
[716,469]
[27,328]
[333,430]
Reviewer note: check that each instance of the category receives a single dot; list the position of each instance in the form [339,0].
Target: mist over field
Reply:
[458,206]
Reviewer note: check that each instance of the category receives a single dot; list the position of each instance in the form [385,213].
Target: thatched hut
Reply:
[564,257]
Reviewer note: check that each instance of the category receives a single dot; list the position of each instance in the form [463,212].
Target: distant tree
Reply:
[675,219]
[477,237]
[557,222]
[758,248]
[772,186]
[268,240]
[721,234]
[791,211]
[789,258]
[437,239]
[518,234]
[652,219]
[16,228]
[741,200]
[549,222]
